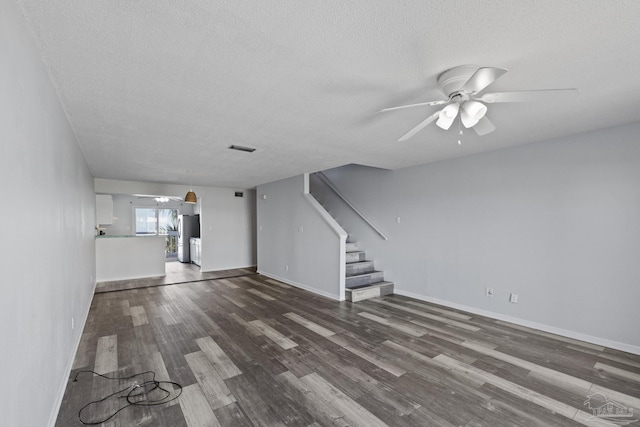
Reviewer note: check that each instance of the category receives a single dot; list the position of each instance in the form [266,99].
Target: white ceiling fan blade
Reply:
[419,127]
[421,104]
[482,78]
[484,126]
[547,95]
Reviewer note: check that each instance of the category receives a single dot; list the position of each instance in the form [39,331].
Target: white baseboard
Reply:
[63,386]
[301,286]
[522,322]
[226,268]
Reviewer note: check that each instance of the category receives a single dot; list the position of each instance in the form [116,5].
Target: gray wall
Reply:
[557,223]
[298,242]
[47,256]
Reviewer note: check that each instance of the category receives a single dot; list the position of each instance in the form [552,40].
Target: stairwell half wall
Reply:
[555,222]
[298,242]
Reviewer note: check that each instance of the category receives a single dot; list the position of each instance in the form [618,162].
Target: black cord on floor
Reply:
[135,394]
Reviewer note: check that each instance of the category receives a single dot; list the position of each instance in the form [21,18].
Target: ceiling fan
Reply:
[462,85]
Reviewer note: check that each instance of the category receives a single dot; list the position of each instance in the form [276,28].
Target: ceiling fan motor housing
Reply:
[452,80]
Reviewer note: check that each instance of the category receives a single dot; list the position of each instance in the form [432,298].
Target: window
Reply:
[159,222]
[156,221]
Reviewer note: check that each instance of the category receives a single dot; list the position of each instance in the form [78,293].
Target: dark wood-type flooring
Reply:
[253,351]
[176,272]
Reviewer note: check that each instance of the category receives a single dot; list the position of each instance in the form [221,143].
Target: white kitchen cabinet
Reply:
[104,209]
[194,247]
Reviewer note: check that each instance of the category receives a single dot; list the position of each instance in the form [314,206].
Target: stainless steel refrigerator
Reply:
[188,227]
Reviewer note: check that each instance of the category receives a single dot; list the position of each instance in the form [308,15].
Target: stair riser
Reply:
[350,247]
[354,257]
[376,276]
[359,268]
[368,293]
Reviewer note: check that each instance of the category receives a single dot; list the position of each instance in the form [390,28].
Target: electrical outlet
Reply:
[513,298]
[73,323]
[286,267]
[398,220]
[488,292]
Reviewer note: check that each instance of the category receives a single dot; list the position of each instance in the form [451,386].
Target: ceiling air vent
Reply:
[239,194]
[241,148]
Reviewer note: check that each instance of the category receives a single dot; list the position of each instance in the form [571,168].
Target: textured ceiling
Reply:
[155,88]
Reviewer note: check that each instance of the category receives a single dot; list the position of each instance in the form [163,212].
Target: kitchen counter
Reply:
[126,236]
[129,257]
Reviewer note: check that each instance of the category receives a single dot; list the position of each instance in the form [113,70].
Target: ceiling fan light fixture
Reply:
[472,112]
[447,115]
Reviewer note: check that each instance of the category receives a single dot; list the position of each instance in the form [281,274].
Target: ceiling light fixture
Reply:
[447,115]
[191,196]
[472,112]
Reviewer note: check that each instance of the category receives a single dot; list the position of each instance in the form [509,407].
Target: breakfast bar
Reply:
[129,257]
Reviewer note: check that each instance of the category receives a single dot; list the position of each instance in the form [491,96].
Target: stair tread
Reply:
[370,286]
[366,274]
